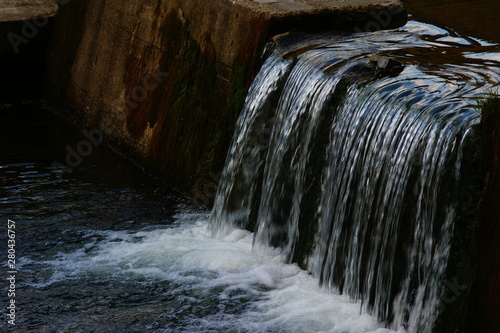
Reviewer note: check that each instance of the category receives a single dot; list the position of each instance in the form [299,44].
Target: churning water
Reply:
[341,168]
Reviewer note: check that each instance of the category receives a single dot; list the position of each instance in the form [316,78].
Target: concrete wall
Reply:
[166,79]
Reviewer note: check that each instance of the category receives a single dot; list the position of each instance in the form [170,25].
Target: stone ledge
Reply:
[287,7]
[311,15]
[19,10]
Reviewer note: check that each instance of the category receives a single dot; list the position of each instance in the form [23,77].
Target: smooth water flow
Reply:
[355,171]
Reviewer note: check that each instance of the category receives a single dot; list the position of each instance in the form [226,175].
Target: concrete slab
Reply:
[292,5]
[360,15]
[307,6]
[19,10]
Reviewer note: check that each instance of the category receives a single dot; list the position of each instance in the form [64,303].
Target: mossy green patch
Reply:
[488,104]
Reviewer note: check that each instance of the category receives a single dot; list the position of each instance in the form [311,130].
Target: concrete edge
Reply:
[357,15]
[280,8]
[19,10]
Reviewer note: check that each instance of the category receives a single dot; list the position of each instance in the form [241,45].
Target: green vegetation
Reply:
[488,104]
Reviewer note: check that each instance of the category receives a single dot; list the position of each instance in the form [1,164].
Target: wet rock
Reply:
[385,66]
[384,62]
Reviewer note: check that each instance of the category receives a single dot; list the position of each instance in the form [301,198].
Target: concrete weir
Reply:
[165,80]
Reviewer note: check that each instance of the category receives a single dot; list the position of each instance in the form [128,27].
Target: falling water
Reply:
[354,171]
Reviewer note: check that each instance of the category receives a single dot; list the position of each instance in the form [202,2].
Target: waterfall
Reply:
[353,171]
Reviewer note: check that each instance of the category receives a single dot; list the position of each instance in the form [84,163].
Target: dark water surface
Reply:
[478,18]
[56,216]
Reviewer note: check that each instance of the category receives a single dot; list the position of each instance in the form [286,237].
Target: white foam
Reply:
[285,298]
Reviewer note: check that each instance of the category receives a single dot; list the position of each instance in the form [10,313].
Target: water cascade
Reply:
[355,171]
